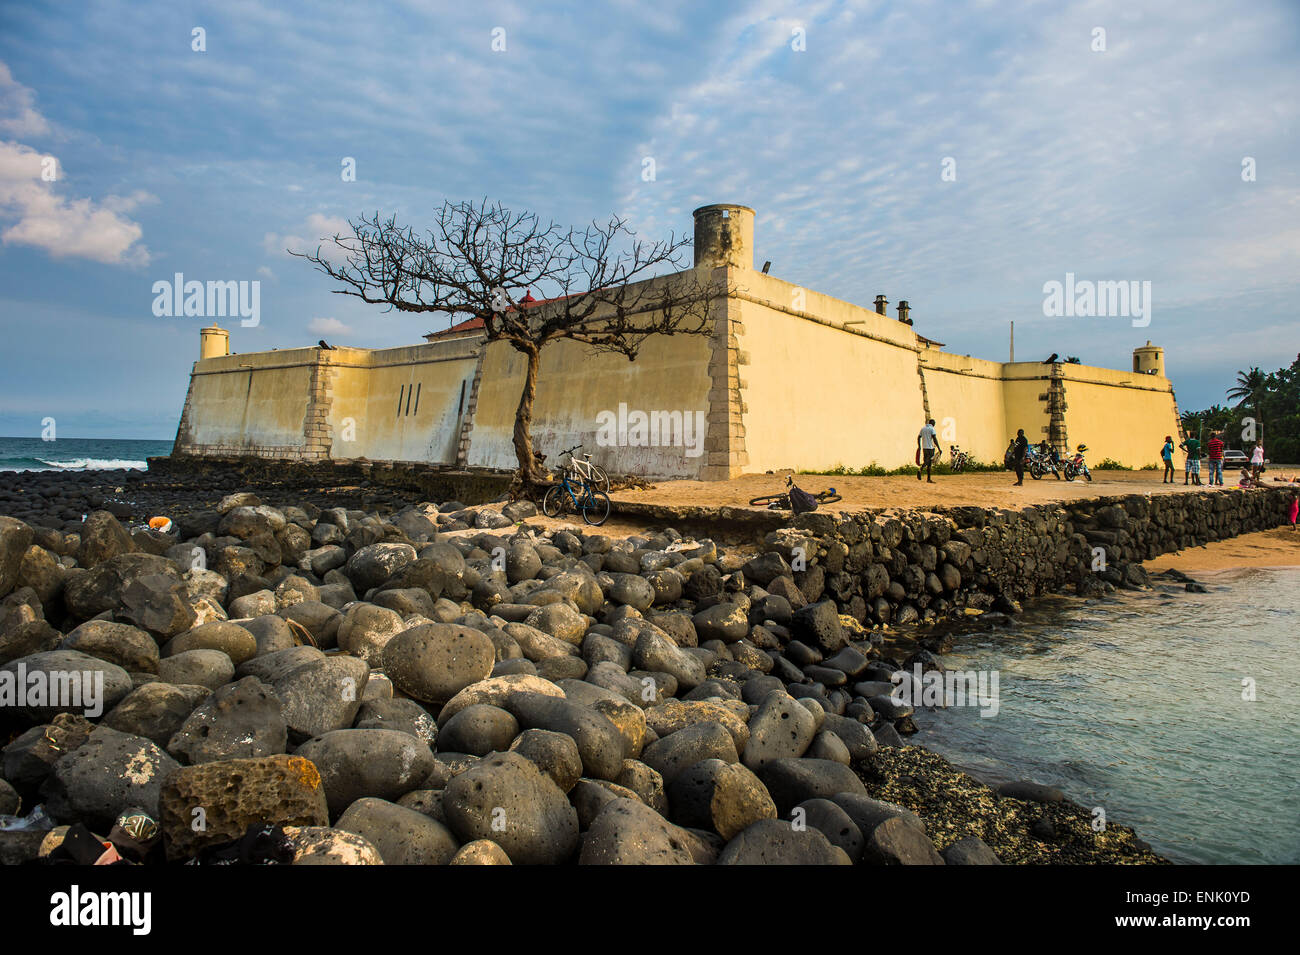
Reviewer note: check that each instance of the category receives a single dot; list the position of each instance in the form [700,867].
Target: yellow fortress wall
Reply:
[248,404]
[1120,415]
[405,404]
[575,387]
[968,403]
[789,378]
[819,393]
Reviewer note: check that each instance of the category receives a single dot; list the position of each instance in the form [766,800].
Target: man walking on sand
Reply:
[1215,449]
[1192,467]
[1021,448]
[926,442]
[1167,454]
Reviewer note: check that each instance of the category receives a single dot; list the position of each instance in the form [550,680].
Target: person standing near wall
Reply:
[926,442]
[1167,453]
[1021,449]
[1192,466]
[1257,462]
[1215,449]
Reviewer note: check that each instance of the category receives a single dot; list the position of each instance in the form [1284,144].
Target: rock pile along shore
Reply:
[447,685]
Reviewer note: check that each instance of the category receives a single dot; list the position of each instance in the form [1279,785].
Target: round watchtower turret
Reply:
[724,235]
[1149,359]
[214,342]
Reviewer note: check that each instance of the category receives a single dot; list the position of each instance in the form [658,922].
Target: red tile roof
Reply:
[468,325]
[474,324]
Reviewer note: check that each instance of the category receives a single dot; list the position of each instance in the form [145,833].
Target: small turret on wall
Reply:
[724,235]
[214,342]
[1149,359]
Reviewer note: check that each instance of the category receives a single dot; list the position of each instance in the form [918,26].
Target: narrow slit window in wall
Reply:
[460,408]
[418,388]
[400,395]
[408,400]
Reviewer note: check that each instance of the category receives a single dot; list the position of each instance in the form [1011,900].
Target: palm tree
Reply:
[1252,386]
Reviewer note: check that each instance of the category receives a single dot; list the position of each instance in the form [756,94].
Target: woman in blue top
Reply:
[1167,452]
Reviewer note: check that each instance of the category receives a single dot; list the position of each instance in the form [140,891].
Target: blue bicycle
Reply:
[576,492]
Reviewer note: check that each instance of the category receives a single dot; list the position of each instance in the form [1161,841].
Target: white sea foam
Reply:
[87,464]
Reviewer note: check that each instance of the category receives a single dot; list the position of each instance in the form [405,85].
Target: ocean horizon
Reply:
[79,454]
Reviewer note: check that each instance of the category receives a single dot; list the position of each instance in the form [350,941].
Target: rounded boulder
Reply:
[435,661]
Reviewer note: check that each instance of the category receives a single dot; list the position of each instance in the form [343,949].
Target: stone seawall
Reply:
[903,566]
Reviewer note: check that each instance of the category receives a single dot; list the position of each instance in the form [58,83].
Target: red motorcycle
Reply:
[1077,465]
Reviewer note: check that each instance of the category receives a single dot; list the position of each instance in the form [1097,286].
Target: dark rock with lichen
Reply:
[955,805]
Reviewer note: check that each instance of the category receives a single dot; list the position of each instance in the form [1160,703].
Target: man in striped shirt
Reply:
[1215,449]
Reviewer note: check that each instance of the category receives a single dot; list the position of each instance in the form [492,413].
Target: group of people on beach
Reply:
[927,448]
[1191,447]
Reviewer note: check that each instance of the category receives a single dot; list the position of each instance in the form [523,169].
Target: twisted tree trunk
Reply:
[523,439]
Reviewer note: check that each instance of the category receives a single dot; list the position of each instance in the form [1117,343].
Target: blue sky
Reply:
[1122,164]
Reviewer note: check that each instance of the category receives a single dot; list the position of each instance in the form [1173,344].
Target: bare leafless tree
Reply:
[599,285]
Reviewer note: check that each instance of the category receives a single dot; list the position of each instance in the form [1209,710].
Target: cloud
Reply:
[65,228]
[314,232]
[1116,165]
[328,326]
[18,115]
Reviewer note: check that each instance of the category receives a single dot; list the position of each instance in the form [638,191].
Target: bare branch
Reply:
[600,285]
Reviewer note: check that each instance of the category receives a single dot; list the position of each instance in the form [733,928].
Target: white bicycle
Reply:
[582,468]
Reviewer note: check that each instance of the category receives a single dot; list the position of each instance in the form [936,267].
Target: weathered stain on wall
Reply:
[400,404]
[249,404]
[574,387]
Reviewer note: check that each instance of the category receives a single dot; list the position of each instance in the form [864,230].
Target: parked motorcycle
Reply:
[1042,462]
[959,460]
[1076,465]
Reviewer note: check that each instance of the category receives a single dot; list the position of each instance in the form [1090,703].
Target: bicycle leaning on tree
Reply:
[578,491]
[584,469]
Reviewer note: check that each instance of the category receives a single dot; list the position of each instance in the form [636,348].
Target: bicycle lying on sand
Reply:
[781,502]
[577,492]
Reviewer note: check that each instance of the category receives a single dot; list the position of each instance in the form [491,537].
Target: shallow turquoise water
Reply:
[1135,704]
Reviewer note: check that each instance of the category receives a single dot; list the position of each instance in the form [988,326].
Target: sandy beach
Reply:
[1279,547]
[984,489]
